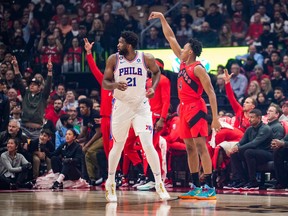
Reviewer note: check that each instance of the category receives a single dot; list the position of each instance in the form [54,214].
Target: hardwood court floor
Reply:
[92,202]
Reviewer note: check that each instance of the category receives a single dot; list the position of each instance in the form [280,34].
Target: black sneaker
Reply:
[28,185]
[13,186]
[57,186]
[251,186]
[231,185]
[239,186]
[276,187]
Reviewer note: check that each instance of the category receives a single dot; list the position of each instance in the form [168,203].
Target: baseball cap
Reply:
[36,81]
[29,70]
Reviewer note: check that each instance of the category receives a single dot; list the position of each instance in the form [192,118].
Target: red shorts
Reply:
[193,121]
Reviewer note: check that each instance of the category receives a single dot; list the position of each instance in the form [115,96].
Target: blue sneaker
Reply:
[207,193]
[192,193]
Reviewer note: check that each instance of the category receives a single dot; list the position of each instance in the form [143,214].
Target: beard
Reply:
[123,52]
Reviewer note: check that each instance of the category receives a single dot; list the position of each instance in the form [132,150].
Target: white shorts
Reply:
[124,116]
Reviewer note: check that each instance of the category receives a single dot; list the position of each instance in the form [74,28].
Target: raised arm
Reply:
[168,33]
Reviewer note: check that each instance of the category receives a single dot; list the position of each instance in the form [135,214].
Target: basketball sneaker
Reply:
[207,193]
[192,193]
[110,194]
[146,187]
[161,191]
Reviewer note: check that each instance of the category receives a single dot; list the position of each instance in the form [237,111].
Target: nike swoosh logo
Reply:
[145,102]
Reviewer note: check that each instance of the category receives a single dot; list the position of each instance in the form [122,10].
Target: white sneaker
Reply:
[148,186]
[110,193]
[161,191]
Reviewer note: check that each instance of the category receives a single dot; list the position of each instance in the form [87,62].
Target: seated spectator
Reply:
[273,114]
[14,168]
[262,102]
[54,115]
[225,36]
[66,123]
[277,80]
[280,155]
[64,25]
[266,88]
[67,160]
[206,34]
[153,41]
[72,59]
[284,116]
[183,32]
[253,149]
[268,37]
[258,70]
[253,90]
[199,19]
[279,97]
[274,60]
[253,53]
[238,29]
[214,17]
[184,13]
[41,150]
[70,100]
[279,28]
[255,29]
[220,91]
[261,10]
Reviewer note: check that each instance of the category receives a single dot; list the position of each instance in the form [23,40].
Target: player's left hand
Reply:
[159,124]
[216,125]
[150,93]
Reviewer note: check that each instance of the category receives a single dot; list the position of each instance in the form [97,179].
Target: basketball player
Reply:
[192,79]
[126,74]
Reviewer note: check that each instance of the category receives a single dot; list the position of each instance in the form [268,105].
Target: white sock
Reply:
[151,155]
[113,160]
[60,178]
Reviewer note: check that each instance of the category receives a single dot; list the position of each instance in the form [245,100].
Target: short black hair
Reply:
[46,131]
[88,102]
[130,38]
[64,117]
[196,46]
[257,112]
[73,131]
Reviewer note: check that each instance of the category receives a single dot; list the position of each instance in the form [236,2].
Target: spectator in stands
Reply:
[184,13]
[262,102]
[274,60]
[70,100]
[248,66]
[64,25]
[34,101]
[55,113]
[280,148]
[60,10]
[214,17]
[220,91]
[277,80]
[91,131]
[14,131]
[253,90]
[279,97]
[266,88]
[278,27]
[14,168]
[3,69]
[206,34]
[253,149]
[273,114]
[264,18]
[43,13]
[4,107]
[241,113]
[66,123]
[238,81]
[284,116]
[57,33]
[238,29]
[72,59]
[268,37]
[183,32]
[60,92]
[10,79]
[41,150]
[253,53]
[240,7]
[199,19]
[255,29]
[225,36]
[74,32]
[76,121]
[153,41]
[89,6]
[67,160]
[259,76]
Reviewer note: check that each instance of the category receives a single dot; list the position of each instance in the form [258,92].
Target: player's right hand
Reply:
[122,86]
[88,46]
[155,15]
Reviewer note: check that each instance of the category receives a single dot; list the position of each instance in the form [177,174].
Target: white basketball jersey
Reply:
[134,73]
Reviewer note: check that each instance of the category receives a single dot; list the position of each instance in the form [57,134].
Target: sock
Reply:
[208,179]
[195,179]
[60,178]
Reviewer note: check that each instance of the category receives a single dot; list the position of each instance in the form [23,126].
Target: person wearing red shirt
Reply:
[192,79]
[54,114]
[106,99]
[241,113]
